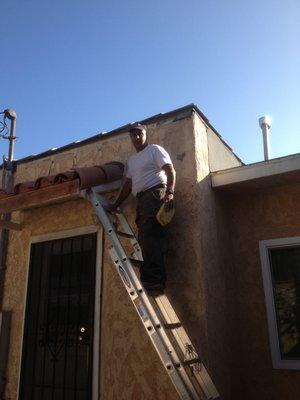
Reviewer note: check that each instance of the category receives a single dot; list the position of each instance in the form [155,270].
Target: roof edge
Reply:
[250,172]
[122,129]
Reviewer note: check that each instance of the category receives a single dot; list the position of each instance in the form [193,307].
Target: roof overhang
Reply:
[278,171]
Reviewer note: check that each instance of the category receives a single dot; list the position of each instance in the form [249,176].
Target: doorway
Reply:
[57,357]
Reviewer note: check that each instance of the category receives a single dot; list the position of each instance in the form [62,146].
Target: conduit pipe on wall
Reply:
[7,181]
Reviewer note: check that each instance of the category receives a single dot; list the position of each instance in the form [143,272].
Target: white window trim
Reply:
[264,246]
[97,317]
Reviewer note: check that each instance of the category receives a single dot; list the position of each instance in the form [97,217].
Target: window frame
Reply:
[264,247]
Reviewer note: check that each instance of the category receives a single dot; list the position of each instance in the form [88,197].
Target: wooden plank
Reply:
[41,197]
[10,225]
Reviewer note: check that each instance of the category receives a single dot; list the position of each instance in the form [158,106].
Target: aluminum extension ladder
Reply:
[179,357]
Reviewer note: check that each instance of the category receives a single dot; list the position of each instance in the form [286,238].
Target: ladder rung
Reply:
[191,361]
[126,235]
[112,212]
[135,262]
[173,325]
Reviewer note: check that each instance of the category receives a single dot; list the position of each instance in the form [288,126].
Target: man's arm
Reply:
[122,195]
[171,180]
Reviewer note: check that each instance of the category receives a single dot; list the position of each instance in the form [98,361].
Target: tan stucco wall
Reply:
[220,156]
[254,216]
[214,270]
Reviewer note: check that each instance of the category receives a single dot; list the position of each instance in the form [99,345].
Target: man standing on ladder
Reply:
[150,176]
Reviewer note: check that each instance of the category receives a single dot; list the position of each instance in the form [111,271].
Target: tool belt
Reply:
[140,194]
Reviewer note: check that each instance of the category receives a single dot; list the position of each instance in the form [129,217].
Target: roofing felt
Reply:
[87,177]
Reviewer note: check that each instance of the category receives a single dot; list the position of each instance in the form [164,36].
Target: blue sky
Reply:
[73,68]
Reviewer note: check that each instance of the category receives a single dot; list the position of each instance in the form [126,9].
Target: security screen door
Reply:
[58,333]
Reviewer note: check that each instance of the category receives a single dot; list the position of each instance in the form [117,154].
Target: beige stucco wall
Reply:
[220,156]
[253,216]
[214,271]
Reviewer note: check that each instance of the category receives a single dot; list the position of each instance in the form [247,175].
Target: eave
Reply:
[278,171]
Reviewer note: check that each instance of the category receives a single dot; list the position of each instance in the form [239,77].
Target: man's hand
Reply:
[169,201]
[171,178]
[122,195]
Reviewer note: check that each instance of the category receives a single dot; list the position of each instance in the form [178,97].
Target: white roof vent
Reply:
[265,124]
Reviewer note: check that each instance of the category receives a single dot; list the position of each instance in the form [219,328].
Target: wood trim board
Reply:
[41,197]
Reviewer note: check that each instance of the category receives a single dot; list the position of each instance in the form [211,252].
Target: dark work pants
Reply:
[151,237]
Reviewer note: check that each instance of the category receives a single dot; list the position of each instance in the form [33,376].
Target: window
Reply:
[281,276]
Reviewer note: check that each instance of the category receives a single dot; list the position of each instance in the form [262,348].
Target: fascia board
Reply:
[255,171]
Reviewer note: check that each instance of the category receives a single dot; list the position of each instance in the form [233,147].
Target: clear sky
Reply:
[74,68]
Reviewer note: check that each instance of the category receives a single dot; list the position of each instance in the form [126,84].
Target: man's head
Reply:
[138,136]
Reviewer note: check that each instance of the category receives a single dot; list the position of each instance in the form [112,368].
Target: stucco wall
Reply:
[214,272]
[254,216]
[220,156]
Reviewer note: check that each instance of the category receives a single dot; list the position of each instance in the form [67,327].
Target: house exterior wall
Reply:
[220,156]
[129,366]
[253,216]
[214,269]
[199,286]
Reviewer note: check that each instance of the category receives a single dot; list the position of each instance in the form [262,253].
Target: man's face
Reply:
[138,138]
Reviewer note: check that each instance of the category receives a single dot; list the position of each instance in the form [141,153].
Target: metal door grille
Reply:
[58,335]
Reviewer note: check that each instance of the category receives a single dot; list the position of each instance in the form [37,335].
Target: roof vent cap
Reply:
[265,124]
[265,120]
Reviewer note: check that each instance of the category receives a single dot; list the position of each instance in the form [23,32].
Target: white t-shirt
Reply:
[144,168]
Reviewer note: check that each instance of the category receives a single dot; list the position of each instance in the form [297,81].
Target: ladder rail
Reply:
[184,342]
[127,229]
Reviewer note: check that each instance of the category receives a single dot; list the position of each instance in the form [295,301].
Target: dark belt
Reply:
[140,194]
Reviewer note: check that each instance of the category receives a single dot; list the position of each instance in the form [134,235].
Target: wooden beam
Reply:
[10,225]
[41,197]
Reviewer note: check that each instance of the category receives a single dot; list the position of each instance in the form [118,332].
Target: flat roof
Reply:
[276,171]
[178,113]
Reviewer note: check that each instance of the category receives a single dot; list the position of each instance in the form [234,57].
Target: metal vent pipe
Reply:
[265,125]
